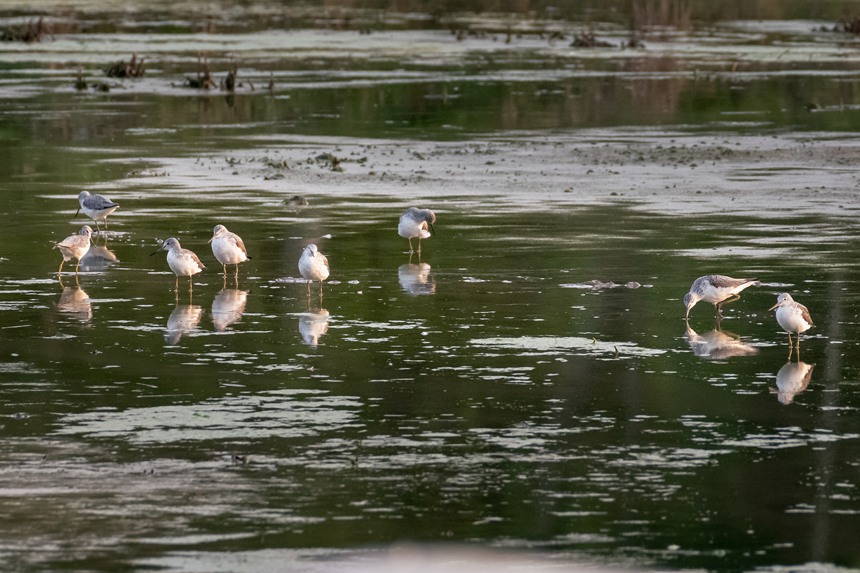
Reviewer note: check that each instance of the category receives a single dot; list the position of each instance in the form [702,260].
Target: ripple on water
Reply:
[554,344]
[285,413]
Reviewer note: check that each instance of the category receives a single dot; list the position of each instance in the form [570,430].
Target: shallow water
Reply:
[527,387]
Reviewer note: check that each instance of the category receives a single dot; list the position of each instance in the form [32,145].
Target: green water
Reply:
[482,396]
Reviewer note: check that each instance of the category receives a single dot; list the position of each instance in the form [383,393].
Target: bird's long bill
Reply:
[155,251]
[78,212]
[432,228]
[212,239]
[773,307]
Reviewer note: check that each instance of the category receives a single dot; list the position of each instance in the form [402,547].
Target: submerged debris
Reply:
[595,284]
[851,26]
[329,159]
[32,31]
[82,85]
[296,201]
[130,69]
[80,82]
[203,80]
[588,40]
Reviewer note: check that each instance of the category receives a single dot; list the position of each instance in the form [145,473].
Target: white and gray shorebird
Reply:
[313,265]
[75,247]
[96,207]
[415,222]
[183,262]
[228,248]
[717,290]
[792,316]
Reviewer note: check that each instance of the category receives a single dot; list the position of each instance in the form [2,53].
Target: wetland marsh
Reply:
[526,390]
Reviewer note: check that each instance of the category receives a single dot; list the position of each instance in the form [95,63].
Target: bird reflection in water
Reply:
[718,344]
[313,324]
[416,279]
[183,319]
[228,307]
[98,258]
[792,379]
[75,302]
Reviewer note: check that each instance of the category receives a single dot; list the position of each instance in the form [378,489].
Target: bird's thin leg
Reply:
[61,267]
[309,288]
[225,269]
[190,283]
[77,264]
[410,246]
[321,290]
[237,271]
[419,246]
[176,286]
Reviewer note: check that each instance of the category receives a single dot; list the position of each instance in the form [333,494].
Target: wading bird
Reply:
[313,265]
[96,207]
[183,262]
[75,247]
[228,248]
[415,222]
[717,290]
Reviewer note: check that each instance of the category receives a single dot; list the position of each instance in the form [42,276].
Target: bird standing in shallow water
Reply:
[313,265]
[792,317]
[228,248]
[717,290]
[183,262]
[75,247]
[96,207]
[415,222]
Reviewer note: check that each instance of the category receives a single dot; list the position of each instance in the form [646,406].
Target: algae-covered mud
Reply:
[525,393]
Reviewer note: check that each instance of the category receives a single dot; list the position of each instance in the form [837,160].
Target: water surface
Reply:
[526,387]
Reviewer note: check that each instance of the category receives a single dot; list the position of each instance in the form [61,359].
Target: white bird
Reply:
[228,248]
[792,316]
[717,290]
[183,262]
[96,207]
[75,247]
[313,265]
[415,222]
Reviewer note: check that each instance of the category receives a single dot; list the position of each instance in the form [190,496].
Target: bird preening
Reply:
[416,223]
[228,248]
[313,266]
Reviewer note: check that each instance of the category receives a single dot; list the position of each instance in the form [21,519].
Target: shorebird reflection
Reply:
[313,324]
[183,319]
[718,344]
[792,379]
[75,302]
[99,257]
[228,307]
[416,279]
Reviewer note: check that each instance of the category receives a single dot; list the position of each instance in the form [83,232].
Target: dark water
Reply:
[487,395]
